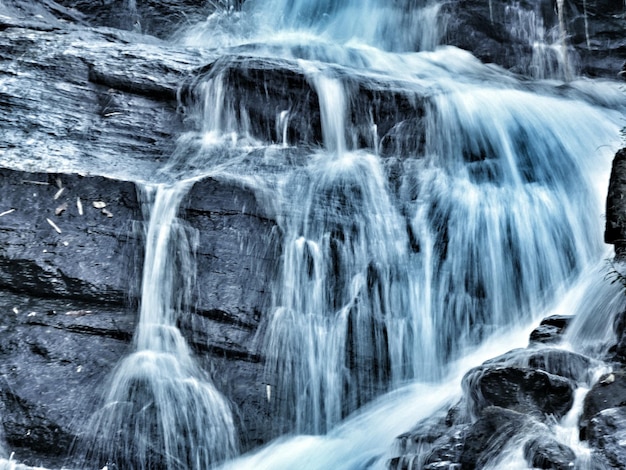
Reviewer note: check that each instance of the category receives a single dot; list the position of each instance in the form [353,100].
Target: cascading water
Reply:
[161,410]
[402,251]
[550,56]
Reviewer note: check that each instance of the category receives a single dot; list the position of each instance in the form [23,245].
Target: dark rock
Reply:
[159,18]
[619,323]
[563,363]
[49,249]
[608,392]
[490,434]
[232,275]
[615,231]
[269,87]
[603,421]
[551,329]
[523,390]
[545,452]
[509,396]
[55,354]
[235,252]
[606,433]
[473,27]
[507,33]
[596,31]
[88,101]
[431,444]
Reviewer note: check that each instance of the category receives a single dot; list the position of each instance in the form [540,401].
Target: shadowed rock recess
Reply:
[92,101]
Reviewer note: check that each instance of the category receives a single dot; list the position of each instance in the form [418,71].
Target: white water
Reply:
[384,282]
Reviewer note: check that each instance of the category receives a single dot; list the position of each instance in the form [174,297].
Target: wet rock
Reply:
[88,256]
[159,18]
[510,34]
[55,356]
[94,264]
[547,453]
[619,324]
[615,230]
[567,364]
[606,433]
[87,101]
[551,329]
[236,252]
[603,421]
[282,102]
[596,31]
[608,392]
[507,399]
[489,435]
[523,390]
[431,444]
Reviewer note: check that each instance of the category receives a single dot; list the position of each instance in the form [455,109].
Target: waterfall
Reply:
[161,410]
[432,211]
[402,253]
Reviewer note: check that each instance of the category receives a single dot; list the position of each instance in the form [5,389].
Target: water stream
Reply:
[161,410]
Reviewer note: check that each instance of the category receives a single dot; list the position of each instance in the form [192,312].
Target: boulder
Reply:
[615,231]
[523,390]
[551,329]
[433,443]
[608,392]
[489,435]
[567,364]
[606,434]
[547,453]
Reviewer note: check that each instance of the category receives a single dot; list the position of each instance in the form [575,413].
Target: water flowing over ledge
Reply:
[389,208]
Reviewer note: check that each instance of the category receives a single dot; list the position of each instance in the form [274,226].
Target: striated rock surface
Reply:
[615,232]
[542,37]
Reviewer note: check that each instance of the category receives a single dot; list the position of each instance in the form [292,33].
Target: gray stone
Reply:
[615,231]
[524,390]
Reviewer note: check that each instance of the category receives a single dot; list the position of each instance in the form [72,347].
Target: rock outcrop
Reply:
[615,232]
[509,402]
[86,119]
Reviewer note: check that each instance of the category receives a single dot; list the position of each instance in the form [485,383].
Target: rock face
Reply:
[530,37]
[69,236]
[615,232]
[69,274]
